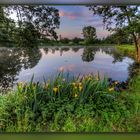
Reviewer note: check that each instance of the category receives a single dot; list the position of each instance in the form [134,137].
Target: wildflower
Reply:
[63,79]
[80,84]
[74,84]
[116,89]
[111,89]
[80,88]
[55,89]
[20,84]
[75,95]
[116,82]
[89,78]
[75,87]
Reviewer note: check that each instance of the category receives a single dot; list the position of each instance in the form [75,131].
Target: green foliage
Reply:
[6,28]
[89,34]
[27,36]
[33,23]
[118,15]
[80,105]
[65,40]
[119,36]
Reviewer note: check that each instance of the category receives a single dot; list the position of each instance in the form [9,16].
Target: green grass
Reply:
[78,105]
[127,50]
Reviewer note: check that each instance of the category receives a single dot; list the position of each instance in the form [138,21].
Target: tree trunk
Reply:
[138,51]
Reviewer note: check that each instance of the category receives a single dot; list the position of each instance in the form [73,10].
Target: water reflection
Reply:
[134,69]
[20,64]
[88,54]
[75,49]
[12,61]
[64,49]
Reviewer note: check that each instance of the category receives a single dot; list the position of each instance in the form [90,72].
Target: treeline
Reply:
[117,36]
[114,38]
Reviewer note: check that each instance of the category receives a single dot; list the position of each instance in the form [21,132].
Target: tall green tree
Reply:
[89,34]
[6,27]
[121,36]
[120,17]
[118,37]
[33,22]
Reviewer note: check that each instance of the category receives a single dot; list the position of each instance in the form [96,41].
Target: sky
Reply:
[74,18]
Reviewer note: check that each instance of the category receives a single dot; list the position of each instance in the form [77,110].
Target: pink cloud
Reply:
[68,15]
[71,15]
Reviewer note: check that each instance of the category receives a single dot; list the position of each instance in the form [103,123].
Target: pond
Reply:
[20,64]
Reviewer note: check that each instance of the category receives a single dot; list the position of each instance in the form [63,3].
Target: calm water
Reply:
[19,65]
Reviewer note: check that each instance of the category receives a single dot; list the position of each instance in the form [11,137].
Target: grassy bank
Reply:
[127,50]
[86,104]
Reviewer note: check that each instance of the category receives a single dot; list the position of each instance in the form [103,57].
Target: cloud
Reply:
[72,15]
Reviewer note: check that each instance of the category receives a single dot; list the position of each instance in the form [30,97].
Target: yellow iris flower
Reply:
[80,88]
[55,89]
[74,84]
[111,89]
[75,95]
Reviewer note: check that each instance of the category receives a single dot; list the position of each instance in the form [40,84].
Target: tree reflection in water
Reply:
[64,49]
[75,49]
[133,69]
[117,56]
[13,60]
[88,54]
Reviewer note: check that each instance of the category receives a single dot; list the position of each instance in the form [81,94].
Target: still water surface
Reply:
[19,65]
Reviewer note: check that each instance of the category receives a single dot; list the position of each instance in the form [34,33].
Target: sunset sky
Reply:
[74,18]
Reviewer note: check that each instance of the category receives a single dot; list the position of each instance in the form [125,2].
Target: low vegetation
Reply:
[127,50]
[87,104]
